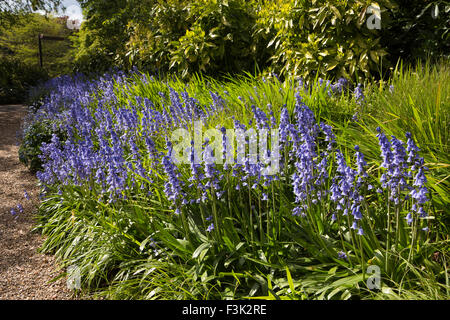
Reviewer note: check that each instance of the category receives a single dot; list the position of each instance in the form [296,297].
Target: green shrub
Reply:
[152,39]
[101,40]
[196,36]
[414,33]
[326,38]
[16,78]
[35,135]
[220,40]
[288,37]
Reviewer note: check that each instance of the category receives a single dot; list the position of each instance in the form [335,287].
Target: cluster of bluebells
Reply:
[116,148]
[337,88]
[108,142]
[303,137]
[404,176]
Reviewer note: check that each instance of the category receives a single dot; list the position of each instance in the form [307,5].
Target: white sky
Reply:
[73,10]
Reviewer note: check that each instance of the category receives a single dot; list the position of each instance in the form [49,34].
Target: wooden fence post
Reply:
[43,37]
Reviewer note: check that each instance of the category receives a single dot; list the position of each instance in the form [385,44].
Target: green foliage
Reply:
[102,36]
[326,38]
[418,30]
[19,54]
[212,37]
[9,10]
[16,78]
[220,40]
[418,102]
[21,42]
[289,37]
[34,136]
[152,39]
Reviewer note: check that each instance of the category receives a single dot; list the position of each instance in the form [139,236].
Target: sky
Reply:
[73,10]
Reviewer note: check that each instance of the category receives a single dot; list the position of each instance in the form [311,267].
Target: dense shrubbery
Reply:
[290,37]
[139,225]
[16,79]
[325,37]
[19,55]
[185,36]
[418,29]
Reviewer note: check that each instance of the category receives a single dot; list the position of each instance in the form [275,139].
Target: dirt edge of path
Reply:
[25,274]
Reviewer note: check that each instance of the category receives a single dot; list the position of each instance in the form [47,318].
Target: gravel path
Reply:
[24,273]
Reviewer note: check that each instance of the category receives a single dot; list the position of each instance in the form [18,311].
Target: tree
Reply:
[103,34]
[20,41]
[11,9]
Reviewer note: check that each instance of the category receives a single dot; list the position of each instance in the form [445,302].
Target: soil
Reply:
[25,274]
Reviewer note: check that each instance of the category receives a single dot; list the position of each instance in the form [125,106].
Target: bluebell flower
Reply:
[420,179]
[413,158]
[358,93]
[420,195]
[297,211]
[356,212]
[409,218]
[360,162]
[342,255]
[329,135]
[20,208]
[386,153]
[422,213]
[172,187]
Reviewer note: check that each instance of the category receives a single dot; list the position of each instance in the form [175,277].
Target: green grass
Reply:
[420,104]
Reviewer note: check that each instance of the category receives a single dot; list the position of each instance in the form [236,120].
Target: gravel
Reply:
[25,274]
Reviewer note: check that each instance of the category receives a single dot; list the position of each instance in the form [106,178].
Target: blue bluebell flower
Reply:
[210,227]
[342,255]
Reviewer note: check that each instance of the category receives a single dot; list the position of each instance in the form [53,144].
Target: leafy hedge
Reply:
[296,37]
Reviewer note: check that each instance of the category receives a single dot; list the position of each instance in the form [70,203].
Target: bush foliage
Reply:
[19,54]
[16,78]
[289,37]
